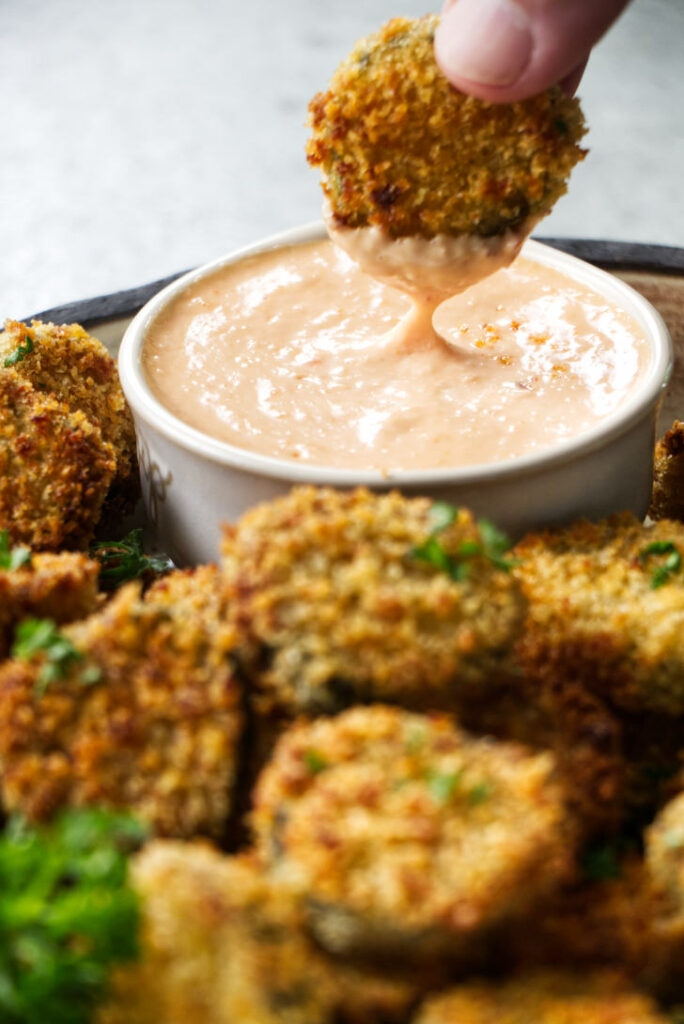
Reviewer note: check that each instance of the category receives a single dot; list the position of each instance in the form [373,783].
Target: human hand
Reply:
[507,50]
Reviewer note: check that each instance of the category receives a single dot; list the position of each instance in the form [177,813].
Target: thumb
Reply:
[506,50]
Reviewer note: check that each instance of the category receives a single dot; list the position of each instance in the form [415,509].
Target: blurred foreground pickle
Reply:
[405,836]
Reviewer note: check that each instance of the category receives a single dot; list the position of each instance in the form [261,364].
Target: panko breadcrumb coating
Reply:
[585,736]
[55,468]
[65,362]
[665,868]
[219,946]
[607,611]
[667,500]
[552,998]
[399,147]
[147,719]
[339,609]
[594,922]
[61,587]
[406,835]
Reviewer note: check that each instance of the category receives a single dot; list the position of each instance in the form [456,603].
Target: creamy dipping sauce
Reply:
[297,354]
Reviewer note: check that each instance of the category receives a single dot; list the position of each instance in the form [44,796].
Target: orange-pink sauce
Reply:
[297,354]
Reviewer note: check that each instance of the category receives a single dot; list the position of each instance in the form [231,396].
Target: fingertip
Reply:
[485,43]
[571,81]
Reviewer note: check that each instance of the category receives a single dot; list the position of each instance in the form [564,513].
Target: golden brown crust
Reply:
[75,368]
[55,468]
[337,609]
[604,923]
[552,998]
[401,148]
[400,828]
[597,620]
[61,587]
[665,868]
[219,946]
[667,500]
[155,734]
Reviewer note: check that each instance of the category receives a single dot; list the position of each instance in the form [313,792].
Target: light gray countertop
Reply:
[145,136]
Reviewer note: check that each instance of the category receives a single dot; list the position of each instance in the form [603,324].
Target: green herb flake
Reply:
[90,675]
[496,544]
[432,553]
[443,785]
[601,864]
[561,126]
[314,761]
[493,546]
[415,741]
[20,352]
[12,557]
[674,839]
[67,914]
[670,565]
[442,515]
[479,794]
[41,636]
[124,560]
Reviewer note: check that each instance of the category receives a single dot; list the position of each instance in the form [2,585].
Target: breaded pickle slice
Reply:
[665,868]
[64,361]
[404,834]
[62,587]
[55,468]
[400,148]
[553,998]
[219,946]
[600,920]
[348,597]
[667,500]
[606,611]
[135,707]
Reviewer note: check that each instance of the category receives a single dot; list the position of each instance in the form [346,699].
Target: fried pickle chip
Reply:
[64,361]
[667,500]
[405,835]
[60,587]
[350,597]
[606,606]
[135,708]
[552,998]
[219,946]
[55,468]
[400,148]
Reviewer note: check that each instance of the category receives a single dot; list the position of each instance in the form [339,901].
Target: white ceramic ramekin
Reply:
[193,483]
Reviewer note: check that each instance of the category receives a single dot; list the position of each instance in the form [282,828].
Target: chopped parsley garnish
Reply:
[20,352]
[600,863]
[12,557]
[415,741]
[478,794]
[496,543]
[314,761]
[124,560]
[670,563]
[36,636]
[67,914]
[443,785]
[493,545]
[674,839]
[442,514]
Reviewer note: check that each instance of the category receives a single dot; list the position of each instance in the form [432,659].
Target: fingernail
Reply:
[485,41]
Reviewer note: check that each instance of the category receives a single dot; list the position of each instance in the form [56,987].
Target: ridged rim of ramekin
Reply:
[145,405]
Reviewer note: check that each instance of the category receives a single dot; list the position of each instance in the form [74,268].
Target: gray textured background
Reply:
[140,137]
